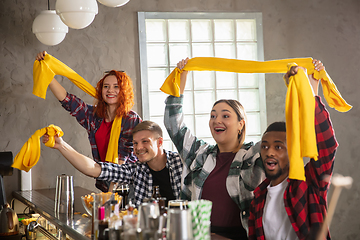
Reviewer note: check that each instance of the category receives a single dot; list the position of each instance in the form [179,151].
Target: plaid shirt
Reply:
[84,114]
[199,158]
[139,175]
[305,201]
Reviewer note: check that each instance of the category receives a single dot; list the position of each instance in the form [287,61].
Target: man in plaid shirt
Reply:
[155,166]
[285,208]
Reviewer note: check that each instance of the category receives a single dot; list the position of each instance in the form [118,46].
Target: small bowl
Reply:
[87,208]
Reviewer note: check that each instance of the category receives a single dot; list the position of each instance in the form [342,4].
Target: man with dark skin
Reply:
[292,209]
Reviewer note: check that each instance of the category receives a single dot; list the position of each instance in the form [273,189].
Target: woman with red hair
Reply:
[114,97]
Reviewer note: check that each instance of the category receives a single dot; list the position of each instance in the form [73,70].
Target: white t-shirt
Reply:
[276,222]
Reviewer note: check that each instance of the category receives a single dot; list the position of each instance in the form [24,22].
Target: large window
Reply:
[166,38]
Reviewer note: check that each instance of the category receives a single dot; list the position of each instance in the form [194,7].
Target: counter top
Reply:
[79,228]
[42,202]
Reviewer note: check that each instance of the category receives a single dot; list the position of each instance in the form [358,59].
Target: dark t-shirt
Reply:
[225,212]
[162,179]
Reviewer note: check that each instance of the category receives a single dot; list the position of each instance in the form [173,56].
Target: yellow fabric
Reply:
[112,154]
[30,152]
[44,72]
[331,94]
[300,120]
[299,107]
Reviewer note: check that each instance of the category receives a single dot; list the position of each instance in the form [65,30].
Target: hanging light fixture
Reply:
[77,14]
[48,28]
[113,3]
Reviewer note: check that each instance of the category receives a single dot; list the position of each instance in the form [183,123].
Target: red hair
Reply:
[125,97]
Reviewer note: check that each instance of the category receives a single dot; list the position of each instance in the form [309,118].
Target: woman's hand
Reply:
[182,63]
[40,56]
[58,140]
[183,75]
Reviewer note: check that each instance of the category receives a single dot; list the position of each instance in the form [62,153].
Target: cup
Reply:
[147,210]
[179,224]
[178,204]
[122,189]
[100,199]
[64,196]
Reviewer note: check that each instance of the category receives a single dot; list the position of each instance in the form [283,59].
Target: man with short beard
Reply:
[291,209]
[155,165]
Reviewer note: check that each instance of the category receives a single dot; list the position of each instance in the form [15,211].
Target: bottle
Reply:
[160,200]
[130,207]
[103,223]
[156,192]
[114,221]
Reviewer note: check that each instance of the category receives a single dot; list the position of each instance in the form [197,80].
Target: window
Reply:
[166,38]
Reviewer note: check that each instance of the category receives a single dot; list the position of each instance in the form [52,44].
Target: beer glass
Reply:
[122,189]
[178,204]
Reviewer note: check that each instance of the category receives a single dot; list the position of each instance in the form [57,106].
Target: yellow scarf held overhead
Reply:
[44,72]
[332,95]
[300,120]
[299,107]
[30,152]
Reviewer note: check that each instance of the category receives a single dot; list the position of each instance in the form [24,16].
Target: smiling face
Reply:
[146,145]
[225,126]
[110,90]
[275,156]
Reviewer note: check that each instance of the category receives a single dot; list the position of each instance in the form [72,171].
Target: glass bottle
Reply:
[103,223]
[156,192]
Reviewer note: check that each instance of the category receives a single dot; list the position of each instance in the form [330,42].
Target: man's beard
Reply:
[278,174]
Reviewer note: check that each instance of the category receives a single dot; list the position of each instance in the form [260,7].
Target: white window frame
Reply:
[142,16]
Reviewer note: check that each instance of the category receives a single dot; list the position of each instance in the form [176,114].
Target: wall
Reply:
[326,30]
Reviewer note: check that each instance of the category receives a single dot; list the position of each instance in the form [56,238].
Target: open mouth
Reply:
[271,164]
[219,129]
[111,96]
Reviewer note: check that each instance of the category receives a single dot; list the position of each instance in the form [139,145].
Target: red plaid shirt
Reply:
[305,201]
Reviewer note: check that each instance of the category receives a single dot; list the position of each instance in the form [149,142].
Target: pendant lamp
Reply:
[77,14]
[113,3]
[48,28]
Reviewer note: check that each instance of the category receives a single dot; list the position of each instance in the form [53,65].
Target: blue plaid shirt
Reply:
[139,175]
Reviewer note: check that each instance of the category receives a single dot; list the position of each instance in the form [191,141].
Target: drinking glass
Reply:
[179,224]
[122,189]
[178,204]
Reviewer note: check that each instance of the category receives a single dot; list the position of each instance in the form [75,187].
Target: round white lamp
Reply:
[113,3]
[77,14]
[48,28]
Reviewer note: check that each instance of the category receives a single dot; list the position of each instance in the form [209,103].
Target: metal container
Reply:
[64,195]
[147,211]
[9,223]
[179,224]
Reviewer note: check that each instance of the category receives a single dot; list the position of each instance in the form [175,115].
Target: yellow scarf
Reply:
[30,152]
[300,118]
[44,72]
[331,94]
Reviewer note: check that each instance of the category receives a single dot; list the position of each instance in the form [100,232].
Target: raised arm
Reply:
[318,65]
[58,90]
[82,163]
[183,75]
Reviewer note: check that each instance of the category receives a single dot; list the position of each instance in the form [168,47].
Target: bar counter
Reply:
[42,201]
